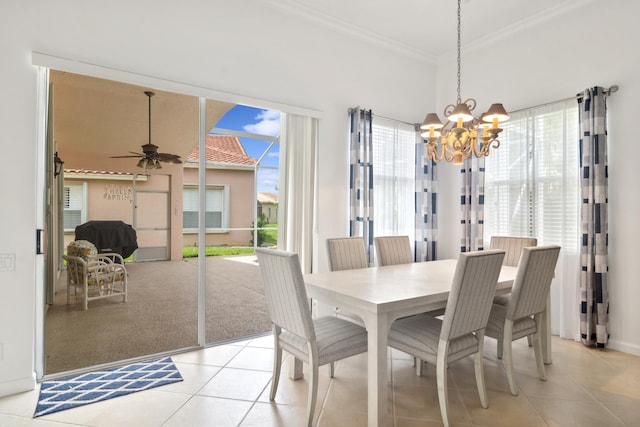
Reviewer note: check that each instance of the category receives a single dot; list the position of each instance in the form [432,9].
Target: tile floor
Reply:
[228,385]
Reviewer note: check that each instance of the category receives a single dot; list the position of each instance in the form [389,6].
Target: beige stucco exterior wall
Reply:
[111,199]
[242,205]
[270,211]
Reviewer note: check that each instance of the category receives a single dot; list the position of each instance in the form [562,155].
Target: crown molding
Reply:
[352,30]
[546,15]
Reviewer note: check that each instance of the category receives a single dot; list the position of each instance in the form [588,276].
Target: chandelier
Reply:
[463,134]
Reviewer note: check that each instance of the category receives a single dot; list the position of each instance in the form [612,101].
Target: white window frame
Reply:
[394,162]
[224,221]
[536,214]
[77,191]
[562,227]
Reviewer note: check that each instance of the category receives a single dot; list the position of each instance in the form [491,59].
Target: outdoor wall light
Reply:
[57,165]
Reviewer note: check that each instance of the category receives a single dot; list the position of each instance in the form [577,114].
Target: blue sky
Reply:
[262,122]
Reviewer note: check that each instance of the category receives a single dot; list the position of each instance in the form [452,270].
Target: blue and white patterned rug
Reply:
[67,393]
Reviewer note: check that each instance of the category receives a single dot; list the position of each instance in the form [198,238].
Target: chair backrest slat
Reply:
[347,253]
[472,292]
[285,291]
[532,282]
[512,246]
[393,250]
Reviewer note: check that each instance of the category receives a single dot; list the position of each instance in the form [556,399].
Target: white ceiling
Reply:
[427,28]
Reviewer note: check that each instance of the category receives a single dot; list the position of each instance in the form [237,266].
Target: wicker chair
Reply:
[97,276]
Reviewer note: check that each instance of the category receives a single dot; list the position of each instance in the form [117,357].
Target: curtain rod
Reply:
[607,92]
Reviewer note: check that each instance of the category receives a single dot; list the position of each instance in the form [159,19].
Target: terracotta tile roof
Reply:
[223,149]
[96,172]
[267,197]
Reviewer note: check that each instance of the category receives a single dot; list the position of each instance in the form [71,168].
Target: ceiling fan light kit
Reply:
[150,158]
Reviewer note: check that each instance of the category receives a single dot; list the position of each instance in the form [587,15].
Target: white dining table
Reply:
[380,295]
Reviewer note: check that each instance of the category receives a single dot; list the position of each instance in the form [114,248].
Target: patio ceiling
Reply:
[94,119]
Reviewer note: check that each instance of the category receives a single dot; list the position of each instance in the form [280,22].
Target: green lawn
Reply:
[270,238]
[192,251]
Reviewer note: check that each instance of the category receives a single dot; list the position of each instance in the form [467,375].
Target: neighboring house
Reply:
[268,205]
[103,195]
[230,193]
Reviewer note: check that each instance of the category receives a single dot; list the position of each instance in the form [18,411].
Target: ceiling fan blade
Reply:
[122,157]
[168,158]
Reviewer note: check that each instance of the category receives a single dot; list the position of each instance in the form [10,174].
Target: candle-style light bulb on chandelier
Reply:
[463,134]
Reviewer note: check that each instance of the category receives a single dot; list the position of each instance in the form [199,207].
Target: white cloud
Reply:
[269,123]
[268,180]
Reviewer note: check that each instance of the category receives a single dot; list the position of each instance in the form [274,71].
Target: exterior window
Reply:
[531,181]
[394,178]
[215,215]
[74,206]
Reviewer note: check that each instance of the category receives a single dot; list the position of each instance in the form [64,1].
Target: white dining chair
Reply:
[393,250]
[460,332]
[317,342]
[513,250]
[512,246]
[522,316]
[347,253]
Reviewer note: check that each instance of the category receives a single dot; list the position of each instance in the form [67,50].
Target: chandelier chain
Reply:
[459,100]
[463,135]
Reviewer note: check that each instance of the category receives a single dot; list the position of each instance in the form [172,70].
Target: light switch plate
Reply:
[7,262]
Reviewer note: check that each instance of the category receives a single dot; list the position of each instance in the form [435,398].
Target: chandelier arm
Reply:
[483,151]
[462,136]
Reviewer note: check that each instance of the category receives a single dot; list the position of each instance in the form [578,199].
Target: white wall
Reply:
[596,45]
[249,48]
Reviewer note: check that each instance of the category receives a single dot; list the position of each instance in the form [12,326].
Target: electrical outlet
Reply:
[7,262]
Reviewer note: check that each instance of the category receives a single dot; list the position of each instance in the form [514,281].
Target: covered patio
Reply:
[160,314]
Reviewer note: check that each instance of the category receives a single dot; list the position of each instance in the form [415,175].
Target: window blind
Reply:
[214,208]
[393,177]
[73,203]
[531,180]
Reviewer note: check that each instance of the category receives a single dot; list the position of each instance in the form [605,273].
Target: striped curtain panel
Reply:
[426,207]
[594,295]
[361,178]
[472,204]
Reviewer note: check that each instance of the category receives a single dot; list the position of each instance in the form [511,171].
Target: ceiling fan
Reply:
[150,158]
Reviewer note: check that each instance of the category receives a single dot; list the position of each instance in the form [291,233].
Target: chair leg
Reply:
[479,368]
[332,369]
[277,364]
[313,388]
[537,348]
[418,363]
[508,356]
[295,371]
[441,378]
[499,348]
